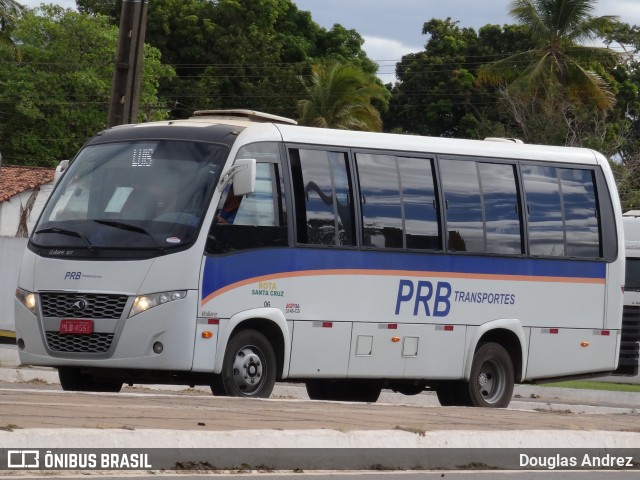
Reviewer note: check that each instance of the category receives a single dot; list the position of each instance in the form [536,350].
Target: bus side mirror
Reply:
[243,174]
[60,169]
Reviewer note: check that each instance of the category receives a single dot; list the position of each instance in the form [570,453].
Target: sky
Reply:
[392,29]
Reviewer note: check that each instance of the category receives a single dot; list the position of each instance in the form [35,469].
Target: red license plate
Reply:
[76,326]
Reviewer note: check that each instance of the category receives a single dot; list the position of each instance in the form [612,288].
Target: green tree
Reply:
[58,96]
[559,74]
[436,92]
[341,96]
[235,53]
[10,10]
[626,124]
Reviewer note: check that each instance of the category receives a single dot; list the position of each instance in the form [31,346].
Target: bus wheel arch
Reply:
[493,367]
[492,377]
[507,333]
[248,339]
[273,332]
[249,367]
[510,341]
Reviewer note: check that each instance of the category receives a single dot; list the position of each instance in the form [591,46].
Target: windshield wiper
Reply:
[69,233]
[131,228]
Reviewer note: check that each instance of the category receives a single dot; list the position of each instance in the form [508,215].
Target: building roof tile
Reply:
[15,179]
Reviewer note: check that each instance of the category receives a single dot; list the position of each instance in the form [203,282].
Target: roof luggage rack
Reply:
[240,114]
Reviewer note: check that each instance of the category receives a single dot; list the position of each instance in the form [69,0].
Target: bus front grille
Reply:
[93,343]
[630,341]
[81,305]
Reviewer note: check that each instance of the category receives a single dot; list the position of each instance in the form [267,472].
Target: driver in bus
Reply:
[227,213]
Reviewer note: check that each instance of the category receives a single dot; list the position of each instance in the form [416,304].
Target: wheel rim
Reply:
[248,370]
[492,381]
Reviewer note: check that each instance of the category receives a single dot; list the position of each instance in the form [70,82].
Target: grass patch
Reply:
[590,385]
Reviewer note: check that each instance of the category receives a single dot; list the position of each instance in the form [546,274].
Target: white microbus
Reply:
[236,252]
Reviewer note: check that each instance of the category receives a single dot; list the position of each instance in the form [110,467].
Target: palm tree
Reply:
[9,11]
[560,65]
[340,96]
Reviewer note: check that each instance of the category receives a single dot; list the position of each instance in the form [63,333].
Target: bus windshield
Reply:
[131,199]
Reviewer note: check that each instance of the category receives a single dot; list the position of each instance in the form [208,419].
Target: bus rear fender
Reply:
[270,322]
[508,333]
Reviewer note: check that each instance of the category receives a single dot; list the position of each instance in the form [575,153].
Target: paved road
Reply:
[36,413]
[187,409]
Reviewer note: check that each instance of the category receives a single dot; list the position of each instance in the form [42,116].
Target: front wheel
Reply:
[492,377]
[248,368]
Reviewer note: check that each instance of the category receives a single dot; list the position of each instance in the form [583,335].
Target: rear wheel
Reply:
[74,379]
[248,368]
[490,384]
[492,377]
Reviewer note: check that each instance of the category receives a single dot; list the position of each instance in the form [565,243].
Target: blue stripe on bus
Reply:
[221,271]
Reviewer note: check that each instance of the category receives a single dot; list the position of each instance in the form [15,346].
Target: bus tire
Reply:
[75,380]
[248,368]
[363,392]
[492,377]
[317,390]
[408,390]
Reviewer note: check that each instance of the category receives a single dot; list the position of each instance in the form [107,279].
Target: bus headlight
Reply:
[26,298]
[142,303]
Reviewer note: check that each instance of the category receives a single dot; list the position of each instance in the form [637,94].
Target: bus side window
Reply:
[463,206]
[250,221]
[382,211]
[563,212]
[324,210]
[544,210]
[482,207]
[501,208]
[581,212]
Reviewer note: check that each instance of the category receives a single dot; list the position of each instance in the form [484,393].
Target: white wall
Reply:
[10,210]
[11,251]
[12,248]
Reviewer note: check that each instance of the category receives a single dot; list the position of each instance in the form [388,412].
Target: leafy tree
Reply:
[110,8]
[234,53]
[626,127]
[9,12]
[559,74]
[58,96]
[437,92]
[340,96]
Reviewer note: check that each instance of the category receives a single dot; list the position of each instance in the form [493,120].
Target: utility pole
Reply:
[125,89]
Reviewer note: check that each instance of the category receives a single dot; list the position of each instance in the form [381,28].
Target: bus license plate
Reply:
[76,326]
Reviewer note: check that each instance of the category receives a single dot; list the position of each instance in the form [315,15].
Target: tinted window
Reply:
[632,272]
[465,229]
[324,212]
[419,202]
[544,207]
[380,197]
[500,198]
[580,209]
[563,211]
